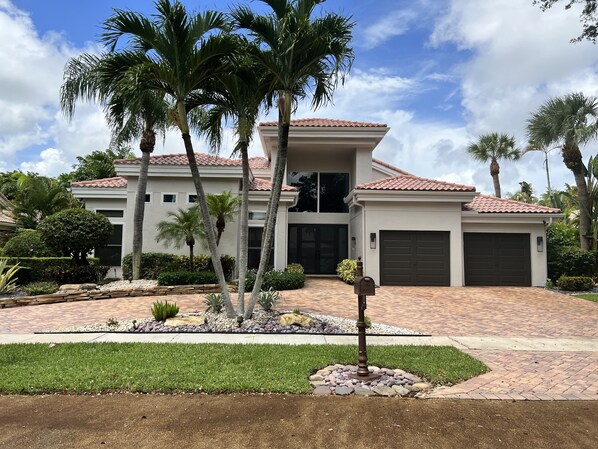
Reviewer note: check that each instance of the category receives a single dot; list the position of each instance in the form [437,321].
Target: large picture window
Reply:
[320,192]
[255,249]
[110,255]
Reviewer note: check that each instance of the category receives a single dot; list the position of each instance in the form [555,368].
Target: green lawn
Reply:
[588,296]
[212,368]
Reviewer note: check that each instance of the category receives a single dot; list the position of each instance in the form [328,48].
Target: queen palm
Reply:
[299,54]
[174,54]
[569,121]
[494,147]
[131,111]
[182,228]
[224,208]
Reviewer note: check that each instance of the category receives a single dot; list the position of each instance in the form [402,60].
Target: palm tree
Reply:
[184,227]
[299,54]
[569,121]
[131,112]
[223,207]
[494,147]
[236,97]
[525,194]
[175,54]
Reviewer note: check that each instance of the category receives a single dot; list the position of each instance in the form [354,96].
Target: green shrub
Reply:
[27,243]
[575,283]
[368,322]
[164,310]
[295,268]
[42,269]
[187,278]
[570,261]
[277,280]
[268,299]
[8,282]
[40,288]
[152,264]
[214,302]
[347,271]
[79,274]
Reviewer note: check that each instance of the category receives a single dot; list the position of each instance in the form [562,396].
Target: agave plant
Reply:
[8,283]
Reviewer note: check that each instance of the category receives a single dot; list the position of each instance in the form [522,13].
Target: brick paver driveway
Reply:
[467,311]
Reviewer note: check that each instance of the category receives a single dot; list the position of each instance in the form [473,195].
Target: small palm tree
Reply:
[569,121]
[494,147]
[525,194]
[223,207]
[183,228]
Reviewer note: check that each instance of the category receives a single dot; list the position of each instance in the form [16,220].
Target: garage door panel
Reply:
[501,259]
[414,258]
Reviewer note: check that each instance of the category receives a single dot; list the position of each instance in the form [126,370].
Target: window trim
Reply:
[150,197]
[191,202]
[318,183]
[116,221]
[168,202]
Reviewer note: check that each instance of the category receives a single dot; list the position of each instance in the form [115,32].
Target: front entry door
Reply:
[318,247]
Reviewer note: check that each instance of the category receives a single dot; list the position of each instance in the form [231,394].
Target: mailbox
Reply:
[365,286]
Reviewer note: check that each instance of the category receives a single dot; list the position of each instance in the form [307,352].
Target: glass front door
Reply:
[318,247]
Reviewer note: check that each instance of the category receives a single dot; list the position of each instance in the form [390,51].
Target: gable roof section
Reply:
[390,166]
[414,183]
[259,163]
[327,123]
[261,185]
[204,160]
[117,182]
[485,204]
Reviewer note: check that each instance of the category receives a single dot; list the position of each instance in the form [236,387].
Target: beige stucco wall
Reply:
[538,259]
[413,216]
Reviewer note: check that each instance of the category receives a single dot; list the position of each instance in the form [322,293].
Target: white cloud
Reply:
[51,162]
[389,26]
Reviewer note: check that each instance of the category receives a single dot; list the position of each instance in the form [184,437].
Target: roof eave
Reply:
[411,195]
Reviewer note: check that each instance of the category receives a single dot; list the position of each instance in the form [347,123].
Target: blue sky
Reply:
[438,72]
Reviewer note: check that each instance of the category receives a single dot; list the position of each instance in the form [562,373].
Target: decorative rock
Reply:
[401,391]
[322,391]
[316,377]
[290,319]
[383,390]
[361,391]
[317,383]
[343,391]
[422,386]
[70,288]
[185,321]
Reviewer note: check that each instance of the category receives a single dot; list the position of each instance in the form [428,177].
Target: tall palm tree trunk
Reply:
[147,144]
[284,123]
[573,160]
[494,171]
[191,260]
[244,232]
[203,209]
[547,172]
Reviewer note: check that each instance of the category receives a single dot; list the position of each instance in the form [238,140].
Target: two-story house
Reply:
[339,202]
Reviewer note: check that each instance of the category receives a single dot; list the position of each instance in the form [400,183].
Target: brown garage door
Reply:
[497,259]
[414,258]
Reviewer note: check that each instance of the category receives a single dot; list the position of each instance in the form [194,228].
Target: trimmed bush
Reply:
[27,243]
[187,278]
[575,283]
[295,268]
[347,271]
[164,310]
[570,261]
[80,274]
[152,264]
[48,269]
[40,288]
[277,280]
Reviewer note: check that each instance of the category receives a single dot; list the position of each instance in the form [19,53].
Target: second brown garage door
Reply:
[414,258]
[497,259]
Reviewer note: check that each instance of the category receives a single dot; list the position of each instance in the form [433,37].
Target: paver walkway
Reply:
[519,371]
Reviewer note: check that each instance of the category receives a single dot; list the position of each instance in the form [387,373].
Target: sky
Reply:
[439,73]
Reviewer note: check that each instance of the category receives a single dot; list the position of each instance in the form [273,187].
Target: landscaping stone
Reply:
[294,319]
[316,377]
[401,391]
[384,390]
[197,320]
[322,391]
[363,391]
[343,391]
[317,383]
[423,386]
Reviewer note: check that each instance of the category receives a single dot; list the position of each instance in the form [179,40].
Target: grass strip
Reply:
[212,368]
[588,296]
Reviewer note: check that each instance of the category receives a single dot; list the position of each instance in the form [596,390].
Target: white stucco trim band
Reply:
[99,193]
[180,171]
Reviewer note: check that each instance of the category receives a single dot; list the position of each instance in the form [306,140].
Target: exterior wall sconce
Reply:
[540,243]
[372,240]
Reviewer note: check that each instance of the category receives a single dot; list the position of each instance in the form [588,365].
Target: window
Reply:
[260,216]
[110,255]
[191,198]
[148,197]
[320,192]
[169,198]
[255,249]
[111,213]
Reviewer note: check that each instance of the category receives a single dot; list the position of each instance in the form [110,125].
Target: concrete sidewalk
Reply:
[464,343]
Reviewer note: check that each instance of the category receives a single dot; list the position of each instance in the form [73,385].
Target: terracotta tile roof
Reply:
[489,204]
[392,167]
[328,123]
[414,183]
[7,218]
[259,163]
[108,183]
[261,185]
[204,160]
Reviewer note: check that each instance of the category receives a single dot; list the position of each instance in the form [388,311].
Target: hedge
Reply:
[53,269]
[570,261]
[187,278]
[575,283]
[277,280]
[152,264]
[27,243]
